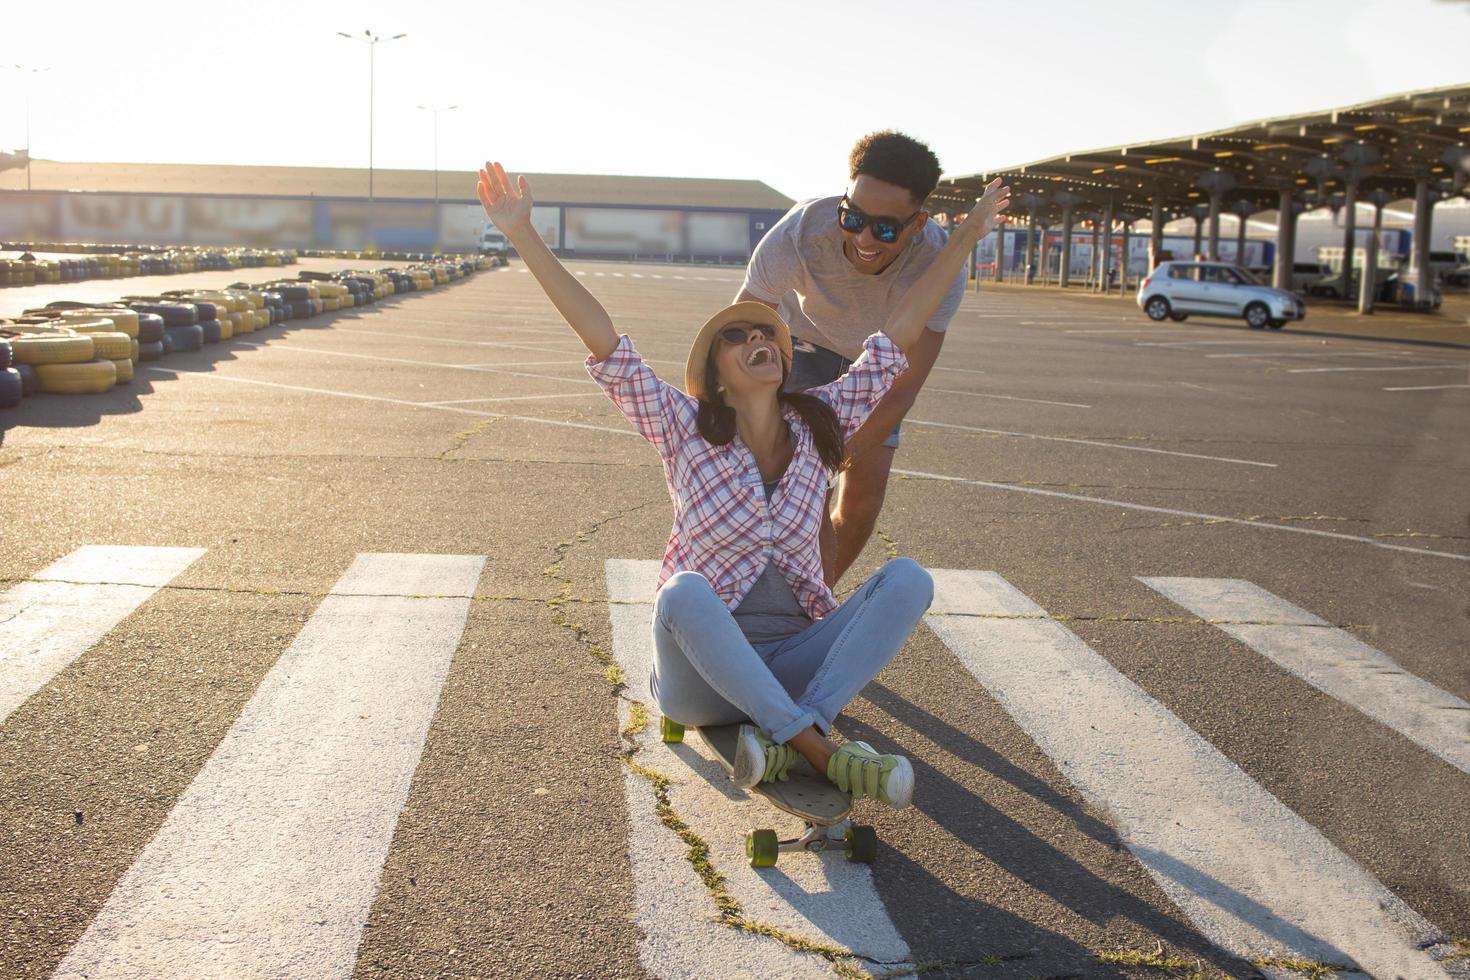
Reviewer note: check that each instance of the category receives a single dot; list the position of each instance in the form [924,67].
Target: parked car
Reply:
[1459,277]
[1389,287]
[1304,275]
[1176,290]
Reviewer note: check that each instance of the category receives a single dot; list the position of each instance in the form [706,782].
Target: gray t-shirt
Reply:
[800,265]
[770,610]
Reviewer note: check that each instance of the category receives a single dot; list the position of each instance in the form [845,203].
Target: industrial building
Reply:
[583,216]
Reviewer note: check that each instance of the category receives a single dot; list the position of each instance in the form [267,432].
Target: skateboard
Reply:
[805,794]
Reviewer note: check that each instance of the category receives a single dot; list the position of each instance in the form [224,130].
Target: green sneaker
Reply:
[857,769]
[760,760]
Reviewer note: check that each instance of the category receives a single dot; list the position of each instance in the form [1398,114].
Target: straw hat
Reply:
[747,312]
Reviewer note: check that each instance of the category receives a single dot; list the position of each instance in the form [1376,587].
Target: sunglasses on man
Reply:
[738,335]
[885,229]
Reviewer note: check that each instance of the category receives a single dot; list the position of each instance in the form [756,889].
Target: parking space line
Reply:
[268,863]
[1128,330]
[438,364]
[1396,367]
[64,610]
[1087,442]
[1151,509]
[542,349]
[517,398]
[355,396]
[1008,398]
[1251,874]
[1325,353]
[822,898]
[1427,388]
[570,361]
[1330,659]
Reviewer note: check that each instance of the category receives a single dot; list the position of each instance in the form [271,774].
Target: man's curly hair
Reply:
[896,159]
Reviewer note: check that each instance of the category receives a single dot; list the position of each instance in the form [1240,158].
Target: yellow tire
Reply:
[124,370]
[123,321]
[134,355]
[226,329]
[81,378]
[112,346]
[52,348]
[85,323]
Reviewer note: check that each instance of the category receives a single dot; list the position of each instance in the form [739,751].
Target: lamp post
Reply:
[372,41]
[435,110]
[27,88]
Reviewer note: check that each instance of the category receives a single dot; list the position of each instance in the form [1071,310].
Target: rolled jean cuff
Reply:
[789,731]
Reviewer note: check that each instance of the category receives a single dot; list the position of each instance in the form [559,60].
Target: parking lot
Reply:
[1191,697]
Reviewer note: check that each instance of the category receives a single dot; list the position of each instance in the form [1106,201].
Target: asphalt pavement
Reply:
[1193,696]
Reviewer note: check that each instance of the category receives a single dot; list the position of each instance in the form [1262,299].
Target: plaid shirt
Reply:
[724,528]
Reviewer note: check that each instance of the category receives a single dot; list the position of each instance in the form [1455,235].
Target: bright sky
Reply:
[776,90]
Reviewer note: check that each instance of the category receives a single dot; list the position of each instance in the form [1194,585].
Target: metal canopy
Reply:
[1386,145]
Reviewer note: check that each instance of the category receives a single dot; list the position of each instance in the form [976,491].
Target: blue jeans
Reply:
[706,673]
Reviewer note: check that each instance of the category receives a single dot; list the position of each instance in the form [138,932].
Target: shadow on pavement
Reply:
[919,901]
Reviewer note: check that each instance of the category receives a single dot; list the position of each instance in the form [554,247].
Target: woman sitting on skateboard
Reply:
[745,629]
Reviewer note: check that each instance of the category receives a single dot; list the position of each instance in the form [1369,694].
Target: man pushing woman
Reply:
[745,628]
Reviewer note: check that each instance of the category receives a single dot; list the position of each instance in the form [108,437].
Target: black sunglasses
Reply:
[739,335]
[885,229]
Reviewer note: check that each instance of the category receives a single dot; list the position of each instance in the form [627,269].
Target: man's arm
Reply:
[900,398]
[909,319]
[747,296]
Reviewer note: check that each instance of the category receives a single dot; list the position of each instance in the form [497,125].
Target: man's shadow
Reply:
[920,904]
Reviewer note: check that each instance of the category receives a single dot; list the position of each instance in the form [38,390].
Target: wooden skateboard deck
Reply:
[805,793]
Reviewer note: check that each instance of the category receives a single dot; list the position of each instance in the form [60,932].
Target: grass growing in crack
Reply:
[637,720]
[1156,960]
[1314,969]
[890,548]
[728,909]
[557,573]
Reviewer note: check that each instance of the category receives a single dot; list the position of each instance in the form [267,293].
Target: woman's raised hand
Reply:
[985,214]
[509,207]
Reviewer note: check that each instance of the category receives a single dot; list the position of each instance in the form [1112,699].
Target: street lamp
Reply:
[372,41]
[28,73]
[435,110]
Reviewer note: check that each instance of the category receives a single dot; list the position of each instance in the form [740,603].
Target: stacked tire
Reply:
[12,389]
[181,331]
[64,361]
[114,336]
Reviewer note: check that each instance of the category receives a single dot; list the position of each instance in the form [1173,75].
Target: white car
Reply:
[1176,290]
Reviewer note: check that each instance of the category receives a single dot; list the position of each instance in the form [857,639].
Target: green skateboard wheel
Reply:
[671,730]
[762,847]
[861,844]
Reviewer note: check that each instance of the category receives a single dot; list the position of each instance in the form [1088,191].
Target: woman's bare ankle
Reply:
[814,747]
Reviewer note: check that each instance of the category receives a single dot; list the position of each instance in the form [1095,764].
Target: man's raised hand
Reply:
[509,207]
[985,213]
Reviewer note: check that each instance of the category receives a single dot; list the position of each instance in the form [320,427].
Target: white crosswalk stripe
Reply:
[1253,876]
[819,897]
[268,863]
[64,610]
[1331,660]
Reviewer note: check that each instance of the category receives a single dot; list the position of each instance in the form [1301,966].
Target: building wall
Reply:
[157,219]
